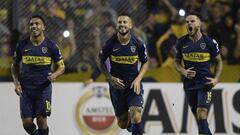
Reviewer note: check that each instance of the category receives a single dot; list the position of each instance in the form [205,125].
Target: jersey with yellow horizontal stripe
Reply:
[124,58]
[199,55]
[36,62]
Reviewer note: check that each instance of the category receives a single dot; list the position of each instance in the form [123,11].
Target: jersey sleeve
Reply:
[56,53]
[142,52]
[17,54]
[178,51]
[105,51]
[214,50]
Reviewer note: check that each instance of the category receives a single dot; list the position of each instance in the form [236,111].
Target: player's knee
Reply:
[42,122]
[123,124]
[136,118]
[123,121]
[27,122]
[202,113]
[29,126]
[135,113]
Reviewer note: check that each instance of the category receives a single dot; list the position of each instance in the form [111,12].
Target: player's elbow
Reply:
[145,66]
[62,69]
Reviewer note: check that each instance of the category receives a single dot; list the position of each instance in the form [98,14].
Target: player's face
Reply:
[193,24]
[124,25]
[36,27]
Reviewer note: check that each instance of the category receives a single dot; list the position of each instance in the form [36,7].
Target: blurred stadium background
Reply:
[81,26]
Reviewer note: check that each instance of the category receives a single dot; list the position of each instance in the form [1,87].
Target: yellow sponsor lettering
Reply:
[37,60]
[196,57]
[124,59]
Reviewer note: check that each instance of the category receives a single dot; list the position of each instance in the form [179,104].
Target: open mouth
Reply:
[190,28]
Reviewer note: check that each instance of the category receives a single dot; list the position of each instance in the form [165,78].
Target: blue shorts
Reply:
[198,98]
[124,98]
[36,102]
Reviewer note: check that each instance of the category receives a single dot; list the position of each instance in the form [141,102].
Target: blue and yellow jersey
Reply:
[36,62]
[124,58]
[198,55]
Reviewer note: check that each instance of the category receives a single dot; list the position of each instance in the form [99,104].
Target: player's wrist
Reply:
[16,83]
[184,72]
[217,79]
[109,77]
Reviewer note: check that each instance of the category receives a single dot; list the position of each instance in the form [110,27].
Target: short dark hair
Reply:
[196,14]
[39,17]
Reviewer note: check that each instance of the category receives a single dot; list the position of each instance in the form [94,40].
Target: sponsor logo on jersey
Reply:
[37,60]
[185,46]
[26,50]
[196,57]
[124,59]
[115,49]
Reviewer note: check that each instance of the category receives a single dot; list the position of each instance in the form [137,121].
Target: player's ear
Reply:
[130,24]
[44,28]
[200,23]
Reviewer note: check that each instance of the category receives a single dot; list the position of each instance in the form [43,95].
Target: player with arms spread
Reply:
[33,78]
[197,52]
[125,50]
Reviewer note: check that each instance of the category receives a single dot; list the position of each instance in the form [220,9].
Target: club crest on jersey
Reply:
[133,48]
[203,45]
[44,50]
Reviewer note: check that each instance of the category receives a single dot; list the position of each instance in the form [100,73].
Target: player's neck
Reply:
[196,36]
[37,40]
[124,39]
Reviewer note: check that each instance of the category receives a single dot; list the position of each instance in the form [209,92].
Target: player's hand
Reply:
[87,82]
[212,81]
[189,73]
[51,77]
[18,89]
[136,86]
[116,82]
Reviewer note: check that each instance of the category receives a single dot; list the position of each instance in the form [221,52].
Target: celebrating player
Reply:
[197,51]
[125,50]
[33,78]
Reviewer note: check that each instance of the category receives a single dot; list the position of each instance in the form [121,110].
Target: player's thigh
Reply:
[26,105]
[119,102]
[192,98]
[44,101]
[134,99]
[204,98]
